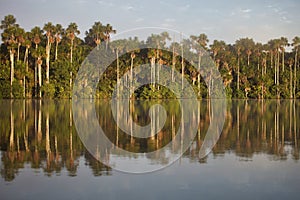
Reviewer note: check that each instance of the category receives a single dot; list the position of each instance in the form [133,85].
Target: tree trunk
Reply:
[278,63]
[282,60]
[182,68]
[40,76]
[295,71]
[291,81]
[199,65]
[131,76]
[56,49]
[12,70]
[48,47]
[18,52]
[238,75]
[248,59]
[118,84]
[71,63]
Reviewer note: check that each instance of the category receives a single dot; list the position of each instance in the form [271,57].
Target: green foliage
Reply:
[256,62]
[48,90]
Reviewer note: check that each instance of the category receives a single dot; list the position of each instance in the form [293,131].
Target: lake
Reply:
[44,157]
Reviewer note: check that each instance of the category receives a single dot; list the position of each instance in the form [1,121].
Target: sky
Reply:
[226,20]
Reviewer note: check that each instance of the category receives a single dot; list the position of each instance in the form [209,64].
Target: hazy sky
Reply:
[223,20]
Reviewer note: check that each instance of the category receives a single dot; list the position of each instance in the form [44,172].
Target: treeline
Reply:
[43,62]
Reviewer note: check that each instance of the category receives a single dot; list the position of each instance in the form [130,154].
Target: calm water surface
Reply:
[256,157]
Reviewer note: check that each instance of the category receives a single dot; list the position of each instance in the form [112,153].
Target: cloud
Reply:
[246,10]
[105,3]
[140,19]
[128,8]
[169,20]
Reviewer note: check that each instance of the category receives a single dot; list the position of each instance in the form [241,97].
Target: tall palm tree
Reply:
[36,34]
[132,44]
[20,34]
[58,31]
[49,29]
[202,40]
[27,44]
[283,44]
[71,32]
[108,29]
[238,49]
[96,34]
[9,27]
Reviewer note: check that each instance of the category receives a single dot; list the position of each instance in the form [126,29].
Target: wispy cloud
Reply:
[128,8]
[169,20]
[246,10]
[140,19]
[282,15]
[106,3]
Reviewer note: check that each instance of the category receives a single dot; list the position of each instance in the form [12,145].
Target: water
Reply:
[256,157]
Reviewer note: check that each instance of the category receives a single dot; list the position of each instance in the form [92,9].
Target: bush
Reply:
[48,90]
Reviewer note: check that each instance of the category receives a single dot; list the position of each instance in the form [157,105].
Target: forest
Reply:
[43,62]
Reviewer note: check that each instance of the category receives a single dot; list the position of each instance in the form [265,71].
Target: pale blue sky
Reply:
[223,20]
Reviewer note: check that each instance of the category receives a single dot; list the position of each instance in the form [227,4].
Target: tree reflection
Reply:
[42,133]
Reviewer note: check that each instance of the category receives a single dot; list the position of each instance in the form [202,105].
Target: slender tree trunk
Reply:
[199,65]
[182,68]
[12,70]
[118,84]
[248,59]
[71,63]
[40,76]
[291,81]
[271,54]
[26,68]
[48,47]
[278,63]
[173,63]
[152,71]
[18,52]
[282,60]
[131,76]
[238,75]
[295,71]
[275,73]
[56,49]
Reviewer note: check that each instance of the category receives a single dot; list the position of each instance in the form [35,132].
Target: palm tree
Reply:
[202,40]
[20,33]
[216,47]
[132,44]
[58,31]
[108,29]
[117,46]
[238,48]
[71,32]
[49,29]
[96,33]
[36,34]
[10,27]
[283,44]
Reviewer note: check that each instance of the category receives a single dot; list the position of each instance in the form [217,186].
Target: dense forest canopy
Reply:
[43,62]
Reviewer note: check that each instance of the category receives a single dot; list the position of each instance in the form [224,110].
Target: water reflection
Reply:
[41,133]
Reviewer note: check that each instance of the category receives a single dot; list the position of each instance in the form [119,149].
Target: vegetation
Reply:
[43,62]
